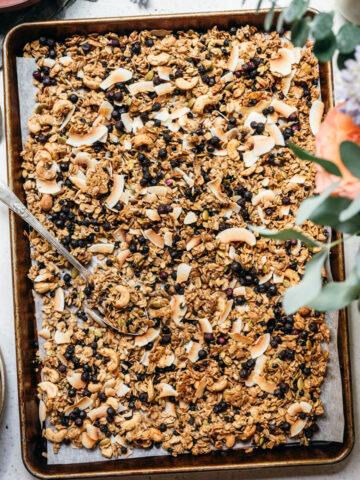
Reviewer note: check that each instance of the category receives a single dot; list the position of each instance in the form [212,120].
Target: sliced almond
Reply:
[119,75]
[237,235]
[315,116]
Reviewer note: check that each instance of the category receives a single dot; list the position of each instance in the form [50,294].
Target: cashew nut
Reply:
[230,440]
[124,299]
[219,386]
[232,149]
[186,84]
[143,139]
[55,436]
[42,156]
[114,358]
[155,434]
[43,171]
[34,124]
[62,107]
[160,59]
[203,101]
[46,202]
[248,432]
[292,275]
[92,83]
[128,425]
[49,388]
[51,375]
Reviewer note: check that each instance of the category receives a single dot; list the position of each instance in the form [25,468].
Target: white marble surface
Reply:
[11,466]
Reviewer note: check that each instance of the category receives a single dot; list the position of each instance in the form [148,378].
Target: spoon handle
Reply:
[12,202]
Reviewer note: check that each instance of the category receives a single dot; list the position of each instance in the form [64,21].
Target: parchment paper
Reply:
[331,423]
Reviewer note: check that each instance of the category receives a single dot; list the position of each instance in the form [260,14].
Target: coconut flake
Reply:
[167,390]
[178,308]
[183,272]
[237,235]
[164,89]
[149,336]
[74,378]
[186,177]
[120,75]
[226,311]
[84,159]
[263,197]
[116,191]
[233,59]
[275,134]
[102,248]
[93,135]
[282,62]
[254,117]
[190,218]
[50,187]
[194,350]
[154,238]
[298,179]
[215,188]
[315,116]
[283,108]
[205,325]
[168,239]
[106,109]
[122,390]
[260,345]
[164,72]
[193,242]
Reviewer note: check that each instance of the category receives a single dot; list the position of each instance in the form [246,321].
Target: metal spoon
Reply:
[12,202]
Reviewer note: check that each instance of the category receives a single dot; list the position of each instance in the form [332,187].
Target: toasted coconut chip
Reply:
[237,326]
[145,358]
[275,134]
[268,387]
[163,116]
[226,311]
[122,390]
[220,153]
[265,278]
[286,82]
[296,249]
[205,325]
[93,135]
[179,112]
[164,89]
[239,291]
[102,248]
[282,62]
[170,409]
[149,336]
[175,214]
[87,441]
[166,390]
[141,87]
[183,84]
[127,121]
[215,187]
[83,404]
[297,427]
[178,308]
[190,218]
[152,215]
[99,412]
[298,179]
[254,117]
[227,77]
[119,75]
[237,235]
[62,337]
[283,108]
[79,180]
[186,177]
[74,378]
[284,210]
[158,190]
[59,300]
[168,239]
[233,59]
[183,272]
[194,350]
[260,364]
[42,412]
[296,54]
[116,191]
[49,388]
[262,145]
[67,118]
[297,408]
[164,73]
[84,159]
[65,61]
[49,62]
[44,333]
[278,278]
[106,109]
[263,197]
[167,360]
[154,238]
[315,116]
[194,242]
[50,187]
[42,277]
[260,346]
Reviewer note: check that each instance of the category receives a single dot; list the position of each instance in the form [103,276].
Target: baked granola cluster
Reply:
[154,152]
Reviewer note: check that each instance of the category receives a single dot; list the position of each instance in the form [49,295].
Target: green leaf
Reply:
[325,164]
[280,21]
[321,25]
[269,17]
[342,57]
[295,10]
[258,6]
[324,49]
[309,287]
[300,32]
[348,37]
[350,156]
[352,210]
[328,214]
[308,206]
[336,295]
[287,234]
[357,263]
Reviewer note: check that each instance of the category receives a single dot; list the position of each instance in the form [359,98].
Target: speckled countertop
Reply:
[11,466]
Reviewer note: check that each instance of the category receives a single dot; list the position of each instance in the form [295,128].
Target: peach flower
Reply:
[335,129]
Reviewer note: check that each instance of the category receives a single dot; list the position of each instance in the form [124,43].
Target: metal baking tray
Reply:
[25,325]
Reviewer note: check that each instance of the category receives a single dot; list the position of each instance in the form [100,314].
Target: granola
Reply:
[152,153]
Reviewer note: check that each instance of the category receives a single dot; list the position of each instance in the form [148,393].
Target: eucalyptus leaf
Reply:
[328,212]
[342,57]
[269,17]
[321,25]
[324,49]
[336,295]
[258,6]
[288,234]
[348,37]
[295,10]
[309,287]
[325,164]
[280,21]
[352,210]
[309,205]
[300,32]
[357,263]
[350,156]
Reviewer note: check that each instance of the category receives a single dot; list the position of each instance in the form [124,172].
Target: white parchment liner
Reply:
[331,423]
